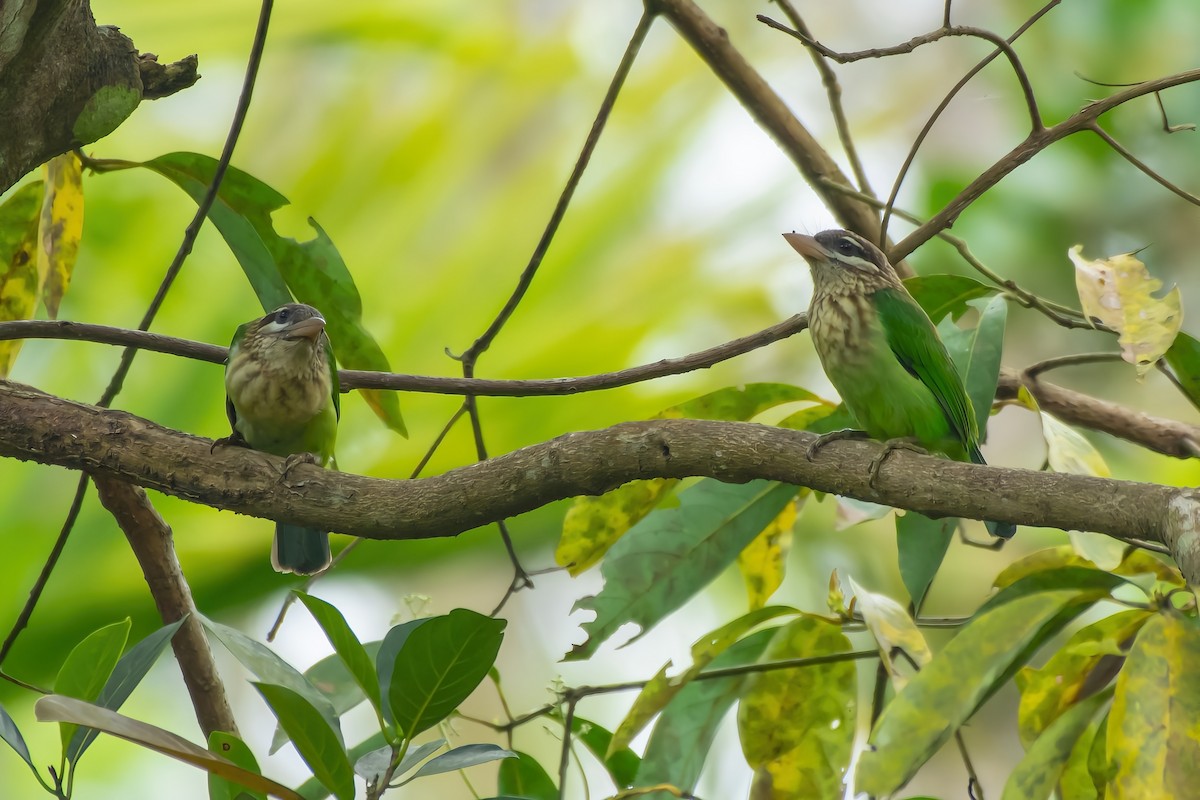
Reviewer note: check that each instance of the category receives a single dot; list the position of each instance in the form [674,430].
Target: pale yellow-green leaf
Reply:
[1119,292]
[1036,776]
[60,228]
[1135,562]
[1068,451]
[57,708]
[762,562]
[662,689]
[20,286]
[1153,742]
[1105,552]
[894,630]
[1086,661]
[797,726]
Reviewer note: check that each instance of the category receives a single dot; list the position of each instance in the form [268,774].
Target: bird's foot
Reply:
[846,433]
[295,459]
[992,544]
[232,440]
[890,446]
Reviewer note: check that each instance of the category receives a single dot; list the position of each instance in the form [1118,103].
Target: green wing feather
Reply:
[916,344]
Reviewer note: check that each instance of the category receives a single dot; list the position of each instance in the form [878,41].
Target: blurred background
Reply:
[431,141]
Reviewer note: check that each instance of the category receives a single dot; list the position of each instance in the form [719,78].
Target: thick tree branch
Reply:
[39,427]
[66,82]
[151,541]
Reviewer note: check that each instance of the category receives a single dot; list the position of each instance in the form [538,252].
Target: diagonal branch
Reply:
[39,427]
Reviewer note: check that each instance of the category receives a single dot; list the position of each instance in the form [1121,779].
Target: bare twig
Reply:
[1143,166]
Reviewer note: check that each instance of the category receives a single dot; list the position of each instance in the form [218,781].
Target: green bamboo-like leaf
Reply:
[1184,359]
[921,544]
[88,667]
[347,647]
[976,353]
[1154,727]
[270,668]
[1076,578]
[622,764]
[524,777]
[58,708]
[674,552]
[1088,660]
[20,284]
[314,739]
[661,689]
[1077,781]
[797,726]
[940,295]
[941,697]
[127,674]
[593,524]
[439,665]
[278,267]
[679,745]
[468,755]
[1042,767]
[11,735]
[234,749]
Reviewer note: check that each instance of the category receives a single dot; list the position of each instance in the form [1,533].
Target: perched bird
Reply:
[281,394]
[883,354]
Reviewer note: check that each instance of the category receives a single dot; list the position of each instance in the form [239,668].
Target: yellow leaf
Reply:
[1068,451]
[19,284]
[1119,292]
[762,562]
[893,629]
[594,524]
[60,228]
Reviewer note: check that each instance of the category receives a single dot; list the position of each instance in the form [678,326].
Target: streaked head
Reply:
[292,321]
[844,256]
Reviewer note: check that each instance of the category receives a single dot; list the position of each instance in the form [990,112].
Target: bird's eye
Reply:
[282,315]
[848,247]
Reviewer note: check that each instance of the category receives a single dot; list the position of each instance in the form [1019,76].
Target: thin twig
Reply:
[1142,166]
[1032,372]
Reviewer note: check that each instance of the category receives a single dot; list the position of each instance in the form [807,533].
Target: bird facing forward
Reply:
[883,354]
[281,395]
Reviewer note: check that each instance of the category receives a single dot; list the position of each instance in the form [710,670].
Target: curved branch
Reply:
[39,427]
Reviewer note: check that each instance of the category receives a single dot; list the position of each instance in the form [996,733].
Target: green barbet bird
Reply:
[281,394]
[883,354]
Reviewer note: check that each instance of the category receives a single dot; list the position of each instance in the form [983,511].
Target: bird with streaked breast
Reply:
[281,396]
[883,354]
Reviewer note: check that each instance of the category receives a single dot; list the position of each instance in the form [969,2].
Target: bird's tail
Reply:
[299,550]
[1002,530]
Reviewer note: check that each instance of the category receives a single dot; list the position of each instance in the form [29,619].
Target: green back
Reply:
[916,344]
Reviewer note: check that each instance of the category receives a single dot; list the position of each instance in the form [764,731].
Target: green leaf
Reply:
[1096,583]
[940,295]
[278,267]
[270,668]
[313,789]
[20,285]
[385,659]
[439,665]
[941,697]
[593,524]
[976,353]
[128,673]
[524,777]
[1184,359]
[1040,770]
[1154,725]
[468,755]
[797,726]
[347,646]
[674,552]
[57,708]
[13,738]
[88,667]
[314,739]
[331,678]
[234,749]
[1077,781]
[622,765]
[1080,666]
[921,544]
[679,744]
[660,690]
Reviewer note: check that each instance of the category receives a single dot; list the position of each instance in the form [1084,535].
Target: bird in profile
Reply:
[281,395]
[883,354]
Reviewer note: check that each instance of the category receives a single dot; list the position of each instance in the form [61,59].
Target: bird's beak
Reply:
[309,328]
[806,246]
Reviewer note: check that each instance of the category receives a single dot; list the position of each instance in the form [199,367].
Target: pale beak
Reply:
[806,246]
[309,328]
